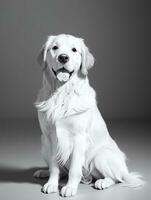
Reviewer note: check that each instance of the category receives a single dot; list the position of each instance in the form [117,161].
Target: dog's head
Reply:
[65,56]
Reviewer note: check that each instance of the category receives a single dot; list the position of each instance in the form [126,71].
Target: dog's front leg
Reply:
[75,171]
[52,183]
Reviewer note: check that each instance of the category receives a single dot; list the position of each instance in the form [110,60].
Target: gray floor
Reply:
[20,157]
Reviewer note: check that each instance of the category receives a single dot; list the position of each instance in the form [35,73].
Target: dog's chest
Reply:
[66,101]
[66,136]
[65,141]
[65,115]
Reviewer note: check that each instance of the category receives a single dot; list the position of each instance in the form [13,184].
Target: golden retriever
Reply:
[75,139]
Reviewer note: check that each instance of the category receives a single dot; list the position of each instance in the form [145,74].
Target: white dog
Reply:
[75,138]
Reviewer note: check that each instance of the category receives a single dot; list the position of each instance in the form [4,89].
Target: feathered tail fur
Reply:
[132,179]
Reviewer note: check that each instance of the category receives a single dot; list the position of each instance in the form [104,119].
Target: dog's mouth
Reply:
[62,74]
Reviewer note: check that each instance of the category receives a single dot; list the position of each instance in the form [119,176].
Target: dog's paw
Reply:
[49,188]
[41,173]
[68,191]
[103,183]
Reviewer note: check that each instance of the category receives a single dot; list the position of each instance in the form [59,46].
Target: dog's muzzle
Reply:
[62,74]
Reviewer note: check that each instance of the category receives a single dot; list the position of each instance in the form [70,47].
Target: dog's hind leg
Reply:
[111,165]
[110,162]
[41,173]
[104,183]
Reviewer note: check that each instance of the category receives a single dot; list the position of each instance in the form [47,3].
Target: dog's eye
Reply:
[74,49]
[55,47]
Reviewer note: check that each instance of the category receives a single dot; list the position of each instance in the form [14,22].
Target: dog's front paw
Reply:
[41,173]
[68,191]
[50,187]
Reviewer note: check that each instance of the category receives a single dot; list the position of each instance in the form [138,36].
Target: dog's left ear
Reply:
[42,56]
[87,58]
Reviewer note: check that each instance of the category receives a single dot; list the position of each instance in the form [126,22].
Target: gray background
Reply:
[117,33]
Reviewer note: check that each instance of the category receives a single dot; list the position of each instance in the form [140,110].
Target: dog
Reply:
[75,139]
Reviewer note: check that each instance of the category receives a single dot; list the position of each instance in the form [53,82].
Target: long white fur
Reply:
[74,131]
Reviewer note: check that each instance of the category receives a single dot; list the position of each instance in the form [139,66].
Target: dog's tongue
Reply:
[63,76]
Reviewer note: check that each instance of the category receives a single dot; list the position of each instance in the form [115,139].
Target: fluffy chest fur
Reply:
[61,108]
[70,99]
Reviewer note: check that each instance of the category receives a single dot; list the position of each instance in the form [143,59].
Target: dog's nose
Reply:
[63,58]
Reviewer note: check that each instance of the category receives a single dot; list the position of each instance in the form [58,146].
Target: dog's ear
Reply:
[87,58]
[41,59]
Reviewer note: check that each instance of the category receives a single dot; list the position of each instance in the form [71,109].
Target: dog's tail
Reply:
[132,179]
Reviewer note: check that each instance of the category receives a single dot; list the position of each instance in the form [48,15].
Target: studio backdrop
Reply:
[117,33]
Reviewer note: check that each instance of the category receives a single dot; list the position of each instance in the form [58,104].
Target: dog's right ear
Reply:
[42,56]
